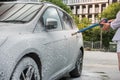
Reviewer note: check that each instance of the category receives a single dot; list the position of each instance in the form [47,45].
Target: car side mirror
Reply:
[51,23]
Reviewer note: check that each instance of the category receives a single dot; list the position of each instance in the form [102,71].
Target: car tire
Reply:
[26,69]
[78,67]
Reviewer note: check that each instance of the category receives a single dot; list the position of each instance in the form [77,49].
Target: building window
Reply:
[90,17]
[103,6]
[90,9]
[84,9]
[83,16]
[77,9]
[96,8]
[114,1]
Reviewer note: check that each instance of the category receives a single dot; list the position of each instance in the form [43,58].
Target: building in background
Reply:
[88,8]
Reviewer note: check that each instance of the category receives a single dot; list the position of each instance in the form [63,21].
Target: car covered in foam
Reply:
[36,42]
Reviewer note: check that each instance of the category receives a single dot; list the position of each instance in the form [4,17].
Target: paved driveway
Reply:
[99,66]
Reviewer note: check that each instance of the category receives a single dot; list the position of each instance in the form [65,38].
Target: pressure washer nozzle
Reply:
[74,33]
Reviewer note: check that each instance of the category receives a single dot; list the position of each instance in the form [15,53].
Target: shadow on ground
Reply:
[89,76]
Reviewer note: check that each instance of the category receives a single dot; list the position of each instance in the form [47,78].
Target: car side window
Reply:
[66,20]
[51,13]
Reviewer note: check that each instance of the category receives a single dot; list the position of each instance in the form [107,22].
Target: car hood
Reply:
[8,28]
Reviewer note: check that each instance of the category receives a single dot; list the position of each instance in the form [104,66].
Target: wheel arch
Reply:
[35,57]
[82,50]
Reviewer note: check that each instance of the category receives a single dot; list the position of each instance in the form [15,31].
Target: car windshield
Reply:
[18,12]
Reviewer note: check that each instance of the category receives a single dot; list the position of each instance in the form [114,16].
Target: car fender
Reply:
[12,52]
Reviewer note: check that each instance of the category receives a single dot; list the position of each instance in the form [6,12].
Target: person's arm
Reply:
[109,21]
[116,23]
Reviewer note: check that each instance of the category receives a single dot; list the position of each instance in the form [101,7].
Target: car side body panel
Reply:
[57,50]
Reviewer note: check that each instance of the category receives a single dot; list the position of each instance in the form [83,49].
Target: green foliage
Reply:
[76,19]
[60,4]
[111,11]
[84,22]
[92,34]
[107,37]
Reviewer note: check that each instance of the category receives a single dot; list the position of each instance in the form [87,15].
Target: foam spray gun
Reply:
[91,26]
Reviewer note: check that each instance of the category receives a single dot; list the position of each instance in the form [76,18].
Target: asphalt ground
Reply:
[98,66]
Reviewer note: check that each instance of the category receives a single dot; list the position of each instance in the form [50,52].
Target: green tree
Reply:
[111,11]
[84,22]
[92,34]
[107,37]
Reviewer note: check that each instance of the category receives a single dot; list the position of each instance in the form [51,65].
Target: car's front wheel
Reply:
[78,67]
[26,69]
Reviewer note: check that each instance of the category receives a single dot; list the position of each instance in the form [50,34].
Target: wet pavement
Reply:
[98,66]
[89,76]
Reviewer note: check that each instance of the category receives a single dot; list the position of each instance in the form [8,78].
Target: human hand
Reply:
[109,21]
[106,26]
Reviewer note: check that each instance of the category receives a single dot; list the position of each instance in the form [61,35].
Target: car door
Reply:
[72,41]
[55,42]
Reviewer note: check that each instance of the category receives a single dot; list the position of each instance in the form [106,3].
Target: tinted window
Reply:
[13,12]
[52,13]
[66,20]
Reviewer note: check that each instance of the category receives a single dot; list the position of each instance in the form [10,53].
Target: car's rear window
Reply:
[18,12]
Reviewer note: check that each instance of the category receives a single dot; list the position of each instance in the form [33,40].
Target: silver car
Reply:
[36,42]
